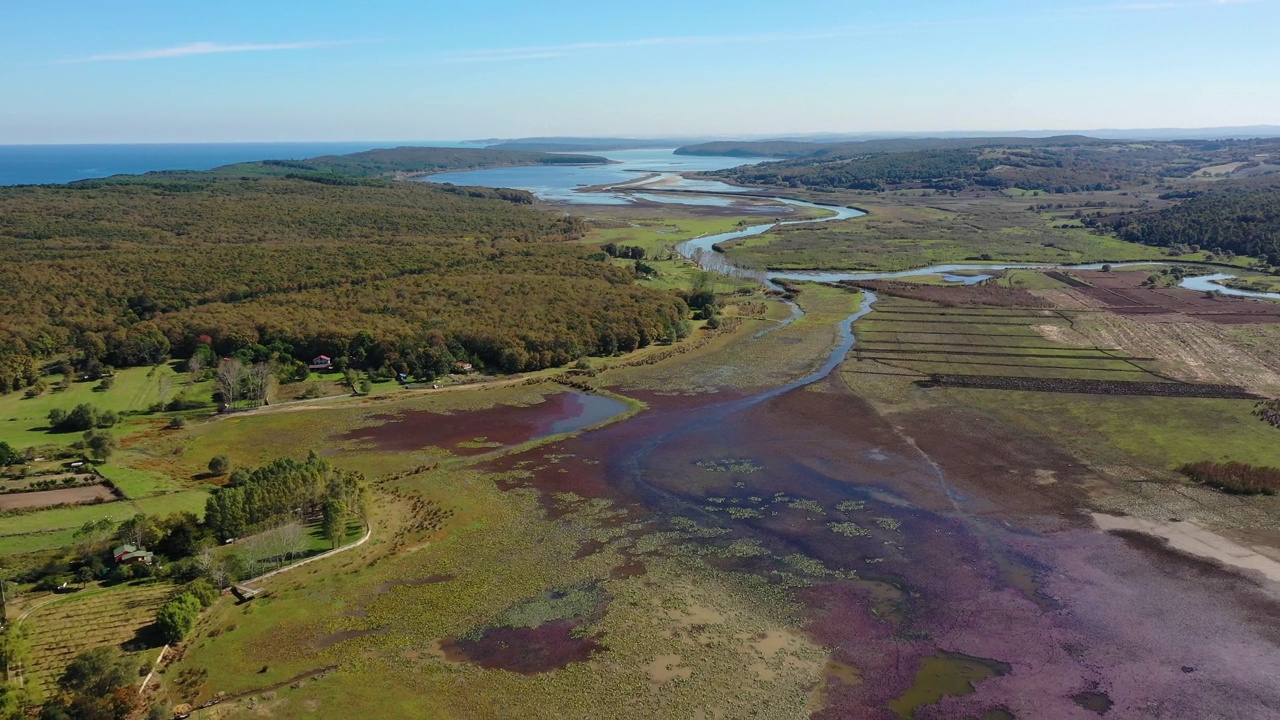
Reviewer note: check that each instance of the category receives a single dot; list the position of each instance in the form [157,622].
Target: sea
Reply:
[40,164]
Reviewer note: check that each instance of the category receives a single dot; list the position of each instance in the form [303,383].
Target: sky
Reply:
[131,71]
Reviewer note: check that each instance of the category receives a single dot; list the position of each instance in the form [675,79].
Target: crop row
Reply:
[1090,387]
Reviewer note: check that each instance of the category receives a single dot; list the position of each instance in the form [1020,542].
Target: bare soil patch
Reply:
[967,296]
[1191,351]
[1121,292]
[61,496]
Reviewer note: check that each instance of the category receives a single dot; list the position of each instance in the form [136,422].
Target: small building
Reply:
[126,554]
[321,362]
[244,593]
[463,367]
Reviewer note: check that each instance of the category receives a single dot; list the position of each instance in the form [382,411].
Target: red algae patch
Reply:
[479,431]
[524,650]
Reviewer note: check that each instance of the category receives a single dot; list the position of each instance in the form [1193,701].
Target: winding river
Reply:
[691,248]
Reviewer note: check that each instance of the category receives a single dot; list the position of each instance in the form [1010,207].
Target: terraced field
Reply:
[915,337]
[120,615]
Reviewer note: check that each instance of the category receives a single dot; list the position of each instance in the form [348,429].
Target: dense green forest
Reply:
[1057,165]
[1243,218]
[407,161]
[857,148]
[413,276]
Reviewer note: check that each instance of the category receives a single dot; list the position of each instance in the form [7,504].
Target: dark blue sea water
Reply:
[34,164]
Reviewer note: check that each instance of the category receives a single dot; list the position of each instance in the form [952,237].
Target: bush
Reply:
[82,417]
[177,422]
[220,465]
[204,591]
[1234,477]
[178,616]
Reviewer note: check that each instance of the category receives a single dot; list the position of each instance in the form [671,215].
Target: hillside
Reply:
[1242,218]
[1057,165]
[124,271]
[848,149]
[408,161]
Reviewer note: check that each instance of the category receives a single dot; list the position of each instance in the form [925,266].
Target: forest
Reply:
[407,162]
[1054,165]
[1243,218]
[128,271]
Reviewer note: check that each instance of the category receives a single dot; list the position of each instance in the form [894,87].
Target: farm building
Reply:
[321,362]
[463,367]
[126,554]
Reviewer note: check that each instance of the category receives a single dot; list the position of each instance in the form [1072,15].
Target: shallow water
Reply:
[560,183]
[480,431]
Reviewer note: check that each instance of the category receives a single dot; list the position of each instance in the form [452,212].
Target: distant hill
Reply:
[406,161]
[800,149]
[1057,165]
[585,144]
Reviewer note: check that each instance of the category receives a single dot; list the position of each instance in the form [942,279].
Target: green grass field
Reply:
[900,234]
[24,421]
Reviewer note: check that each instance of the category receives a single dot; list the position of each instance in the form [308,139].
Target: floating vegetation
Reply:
[807,565]
[743,466]
[479,443]
[846,506]
[738,548]
[738,513]
[946,674]
[848,529]
[808,505]
[693,529]
[566,604]
[888,523]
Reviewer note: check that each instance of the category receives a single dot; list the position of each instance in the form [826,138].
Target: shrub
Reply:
[1234,477]
[82,417]
[203,590]
[219,464]
[177,617]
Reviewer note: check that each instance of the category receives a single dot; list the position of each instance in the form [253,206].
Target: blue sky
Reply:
[135,71]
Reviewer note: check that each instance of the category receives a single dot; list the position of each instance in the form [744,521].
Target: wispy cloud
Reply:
[539,52]
[203,48]
[554,51]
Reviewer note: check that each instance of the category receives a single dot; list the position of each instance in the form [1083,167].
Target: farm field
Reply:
[94,617]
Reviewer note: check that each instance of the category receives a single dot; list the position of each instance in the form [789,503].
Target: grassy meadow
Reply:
[904,233]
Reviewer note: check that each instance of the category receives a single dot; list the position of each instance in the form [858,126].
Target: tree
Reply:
[84,575]
[177,617]
[203,590]
[99,684]
[8,456]
[141,530]
[334,523]
[260,379]
[82,417]
[220,465]
[101,444]
[228,378]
